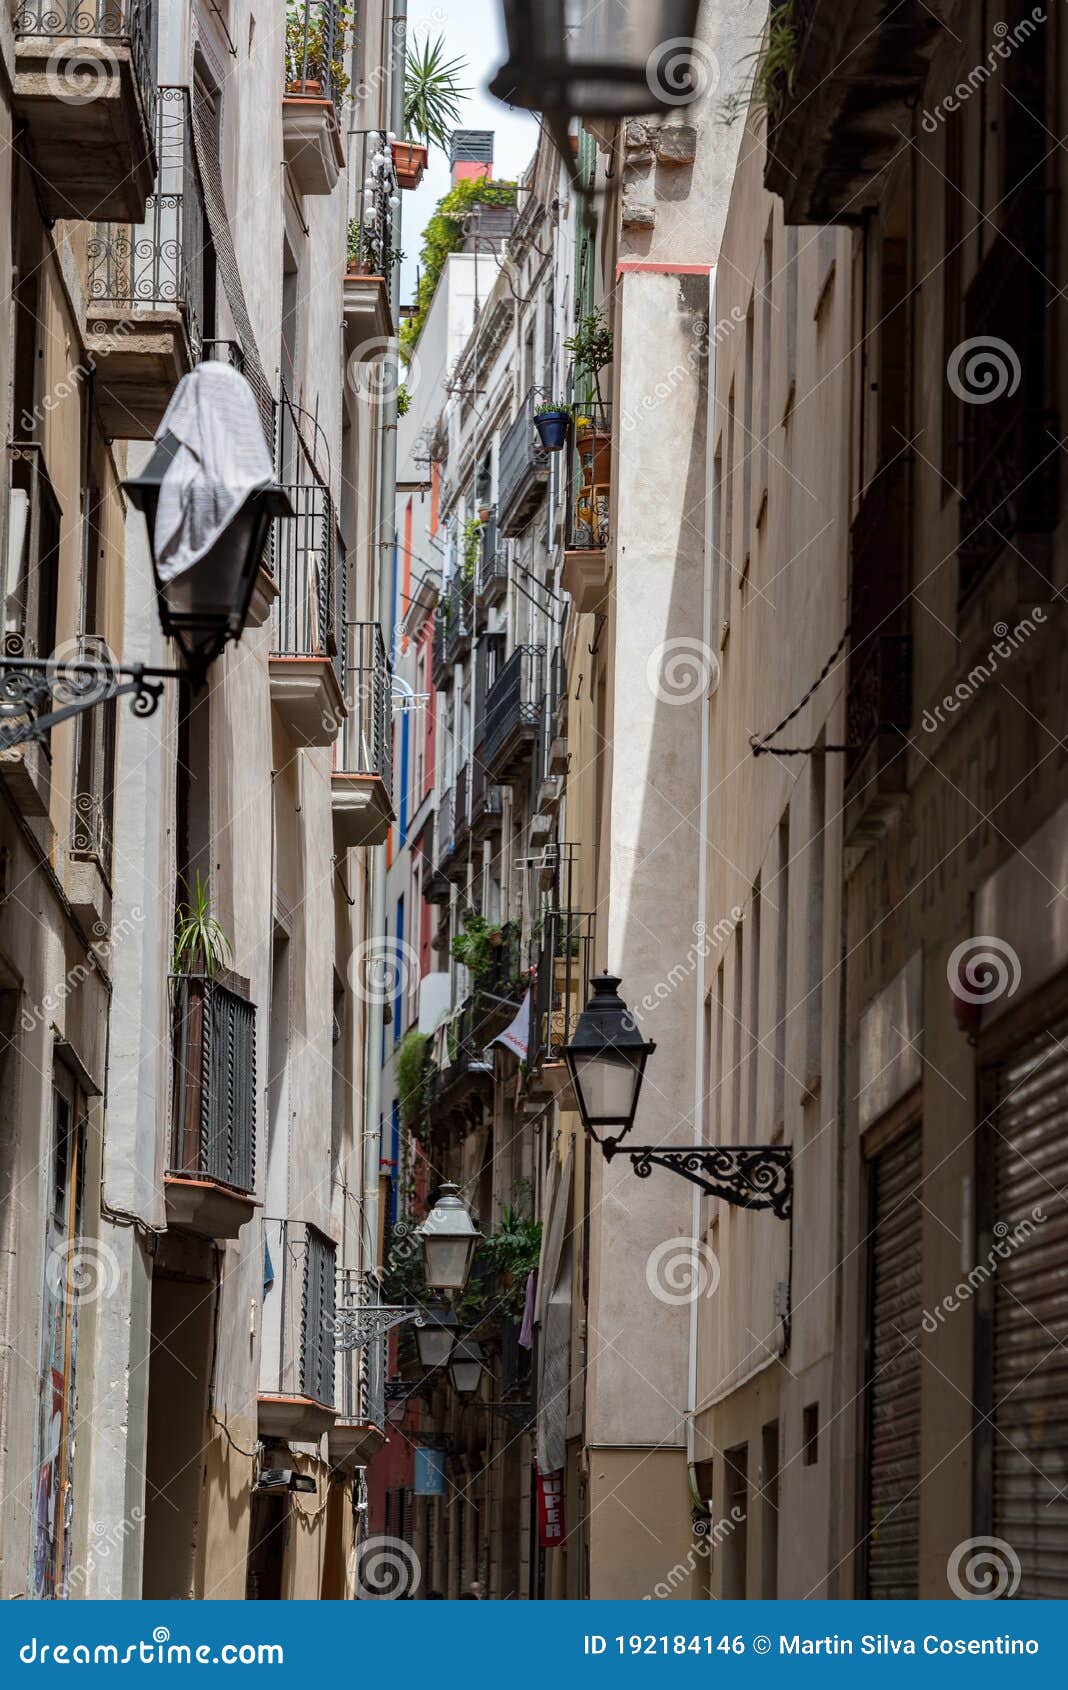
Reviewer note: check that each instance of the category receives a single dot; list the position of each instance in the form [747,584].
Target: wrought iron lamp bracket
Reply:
[36,694]
[750,1176]
[521,1415]
[361,1324]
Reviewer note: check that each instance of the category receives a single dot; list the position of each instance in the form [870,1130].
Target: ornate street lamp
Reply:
[465,1366]
[606,1061]
[616,59]
[226,500]
[449,1238]
[435,1335]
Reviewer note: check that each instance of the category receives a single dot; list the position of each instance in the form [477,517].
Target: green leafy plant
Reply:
[317,67]
[498,1281]
[552,407]
[472,549]
[404,401]
[444,233]
[476,945]
[773,81]
[410,1070]
[433,93]
[591,348]
[366,249]
[200,945]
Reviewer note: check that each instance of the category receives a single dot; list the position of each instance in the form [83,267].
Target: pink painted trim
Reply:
[626,264]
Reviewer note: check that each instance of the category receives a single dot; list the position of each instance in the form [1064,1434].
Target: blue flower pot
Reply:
[552,429]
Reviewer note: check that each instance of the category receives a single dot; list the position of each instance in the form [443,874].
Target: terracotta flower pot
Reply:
[595,455]
[309,89]
[409,162]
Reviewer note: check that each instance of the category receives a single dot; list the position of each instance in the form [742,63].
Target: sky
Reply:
[473,30]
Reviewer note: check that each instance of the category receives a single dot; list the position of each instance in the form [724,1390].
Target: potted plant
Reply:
[200,945]
[366,254]
[474,947]
[311,65]
[433,95]
[472,549]
[591,348]
[551,421]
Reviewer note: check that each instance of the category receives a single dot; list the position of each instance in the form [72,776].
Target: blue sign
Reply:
[429,1472]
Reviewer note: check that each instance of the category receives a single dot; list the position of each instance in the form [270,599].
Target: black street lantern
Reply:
[606,1061]
[465,1366]
[616,59]
[207,605]
[435,1336]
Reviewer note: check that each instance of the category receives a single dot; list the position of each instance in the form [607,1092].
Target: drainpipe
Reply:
[708,635]
[384,591]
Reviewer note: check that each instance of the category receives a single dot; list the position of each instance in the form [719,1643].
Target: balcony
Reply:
[858,69]
[522,474]
[457,617]
[211,1180]
[493,564]
[561,988]
[85,90]
[359,1431]
[315,88]
[361,784]
[296,1398]
[487,800]
[440,671]
[87,873]
[307,660]
[31,554]
[514,706]
[437,888]
[145,302]
[1011,451]
[589,497]
[368,278]
[463,1071]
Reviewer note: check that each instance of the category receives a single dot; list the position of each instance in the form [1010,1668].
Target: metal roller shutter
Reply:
[1030,1311]
[895,1313]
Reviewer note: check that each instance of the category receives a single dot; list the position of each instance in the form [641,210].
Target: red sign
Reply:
[550,1509]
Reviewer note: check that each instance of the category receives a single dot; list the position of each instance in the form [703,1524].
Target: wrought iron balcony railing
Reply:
[879,700]
[523,471]
[29,559]
[456,613]
[315,49]
[589,477]
[371,247]
[129,23]
[564,966]
[308,615]
[299,1312]
[460,807]
[158,263]
[361,1385]
[94,762]
[214,1114]
[487,798]
[445,836]
[514,706]
[367,739]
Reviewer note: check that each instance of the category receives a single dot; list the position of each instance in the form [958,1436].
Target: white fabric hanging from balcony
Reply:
[221,458]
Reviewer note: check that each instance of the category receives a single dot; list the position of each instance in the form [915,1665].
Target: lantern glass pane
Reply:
[465,1376]
[608,1083]
[446,1260]
[434,1344]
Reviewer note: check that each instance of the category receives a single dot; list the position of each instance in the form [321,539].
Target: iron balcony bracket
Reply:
[36,694]
[358,1325]
[751,1176]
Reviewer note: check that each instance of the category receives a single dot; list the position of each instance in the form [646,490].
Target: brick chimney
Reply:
[471,153]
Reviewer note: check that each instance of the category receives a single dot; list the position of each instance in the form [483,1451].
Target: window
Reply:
[736,1040]
[810,1435]
[791,315]
[816,855]
[747,431]
[782,963]
[728,503]
[765,362]
[952,271]
[753,1029]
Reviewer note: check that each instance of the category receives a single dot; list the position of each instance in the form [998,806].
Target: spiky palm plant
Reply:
[433,94]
